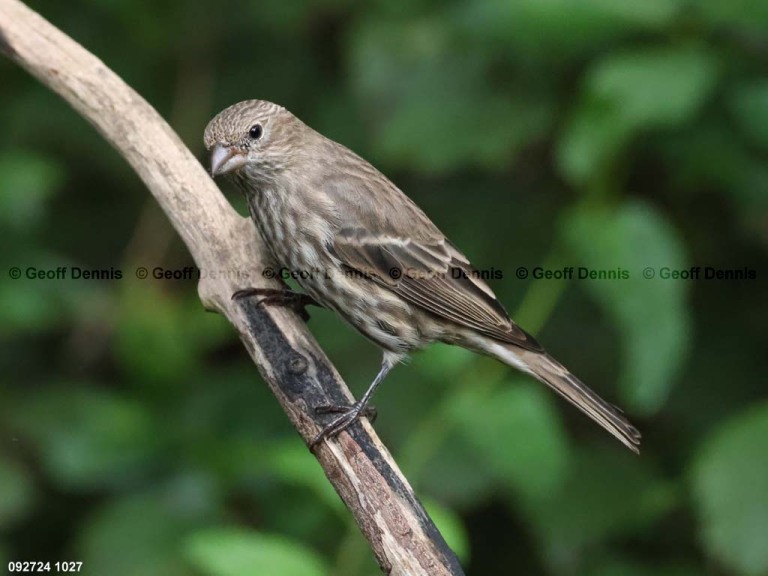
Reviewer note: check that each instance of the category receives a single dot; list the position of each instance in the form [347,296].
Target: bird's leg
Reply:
[297,301]
[369,411]
[350,414]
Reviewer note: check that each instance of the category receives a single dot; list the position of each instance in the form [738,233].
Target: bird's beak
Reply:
[226,159]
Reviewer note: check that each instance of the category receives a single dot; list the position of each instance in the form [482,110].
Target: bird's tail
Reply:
[546,369]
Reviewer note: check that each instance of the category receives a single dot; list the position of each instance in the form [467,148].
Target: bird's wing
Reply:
[386,237]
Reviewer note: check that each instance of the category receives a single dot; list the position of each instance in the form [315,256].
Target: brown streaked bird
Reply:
[368,252]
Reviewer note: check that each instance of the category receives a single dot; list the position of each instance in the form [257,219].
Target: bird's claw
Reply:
[369,411]
[348,415]
[296,301]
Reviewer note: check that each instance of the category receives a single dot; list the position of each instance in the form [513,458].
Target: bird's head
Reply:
[255,137]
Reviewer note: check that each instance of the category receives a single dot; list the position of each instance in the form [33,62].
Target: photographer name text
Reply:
[564,273]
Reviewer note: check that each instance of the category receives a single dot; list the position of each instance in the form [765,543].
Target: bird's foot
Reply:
[369,411]
[296,301]
[348,415]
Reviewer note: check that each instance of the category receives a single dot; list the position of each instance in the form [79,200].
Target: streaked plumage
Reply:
[371,254]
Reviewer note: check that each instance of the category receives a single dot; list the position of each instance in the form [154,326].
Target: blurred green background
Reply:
[135,434]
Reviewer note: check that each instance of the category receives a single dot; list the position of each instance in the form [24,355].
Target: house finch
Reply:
[361,247]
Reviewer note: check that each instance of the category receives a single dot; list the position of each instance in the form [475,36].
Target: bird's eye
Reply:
[256,131]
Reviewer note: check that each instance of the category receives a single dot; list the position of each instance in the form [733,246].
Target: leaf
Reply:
[652,314]
[517,432]
[27,181]
[606,492]
[232,552]
[158,339]
[562,29]
[291,463]
[593,139]
[441,362]
[748,17]
[403,70]
[88,438]
[730,483]
[139,534]
[657,87]
[28,306]
[715,156]
[749,106]
[17,493]
[628,92]
[626,567]
[456,473]
[451,527]
[466,129]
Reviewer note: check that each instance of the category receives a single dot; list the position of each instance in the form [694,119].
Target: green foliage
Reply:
[17,493]
[136,435]
[152,525]
[730,480]
[451,527]
[28,183]
[88,439]
[603,496]
[651,312]
[159,339]
[516,434]
[289,462]
[749,106]
[557,29]
[231,552]
[747,16]
[418,65]
[627,93]
[624,567]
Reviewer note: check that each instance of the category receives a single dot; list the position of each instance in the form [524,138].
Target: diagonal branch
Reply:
[402,536]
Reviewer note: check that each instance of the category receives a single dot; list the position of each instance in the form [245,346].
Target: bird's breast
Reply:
[295,234]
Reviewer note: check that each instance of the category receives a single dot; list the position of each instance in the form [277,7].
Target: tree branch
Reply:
[402,536]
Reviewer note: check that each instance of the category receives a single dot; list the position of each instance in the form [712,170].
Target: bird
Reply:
[359,246]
